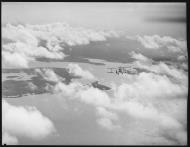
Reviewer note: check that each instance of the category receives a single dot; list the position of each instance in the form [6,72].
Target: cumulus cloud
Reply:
[19,121]
[24,53]
[184,66]
[168,125]
[181,58]
[139,56]
[94,96]
[25,40]
[156,42]
[15,59]
[146,96]
[106,118]
[78,71]
[70,35]
[48,74]
[152,105]
[153,94]
[19,33]
[102,111]
[148,64]
[68,90]
[88,95]
[148,86]
[107,123]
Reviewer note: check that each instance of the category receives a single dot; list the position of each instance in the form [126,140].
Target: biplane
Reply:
[121,70]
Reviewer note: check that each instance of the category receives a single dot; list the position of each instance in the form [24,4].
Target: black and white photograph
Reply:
[94,73]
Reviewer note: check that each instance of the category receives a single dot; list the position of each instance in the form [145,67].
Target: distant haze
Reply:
[119,16]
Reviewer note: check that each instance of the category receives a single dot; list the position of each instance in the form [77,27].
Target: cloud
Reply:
[139,56]
[19,121]
[19,34]
[156,42]
[107,123]
[15,59]
[48,74]
[148,111]
[24,46]
[68,90]
[163,68]
[27,53]
[70,35]
[149,86]
[148,64]
[25,40]
[101,111]
[88,95]
[106,118]
[78,71]
[94,96]
[136,98]
[146,96]
[55,33]
[151,97]
[181,58]
[185,66]
[169,127]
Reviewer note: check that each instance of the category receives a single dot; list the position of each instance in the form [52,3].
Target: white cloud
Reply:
[56,32]
[144,96]
[169,127]
[20,54]
[107,123]
[148,64]
[156,42]
[106,118]
[101,111]
[139,56]
[88,95]
[48,74]
[19,33]
[68,90]
[185,66]
[94,96]
[162,68]
[19,121]
[70,35]
[78,71]
[148,86]
[139,110]
[15,59]
[32,51]
[26,39]
[24,46]
[181,58]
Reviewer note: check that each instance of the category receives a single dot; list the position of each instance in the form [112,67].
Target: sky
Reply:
[56,62]
[122,16]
